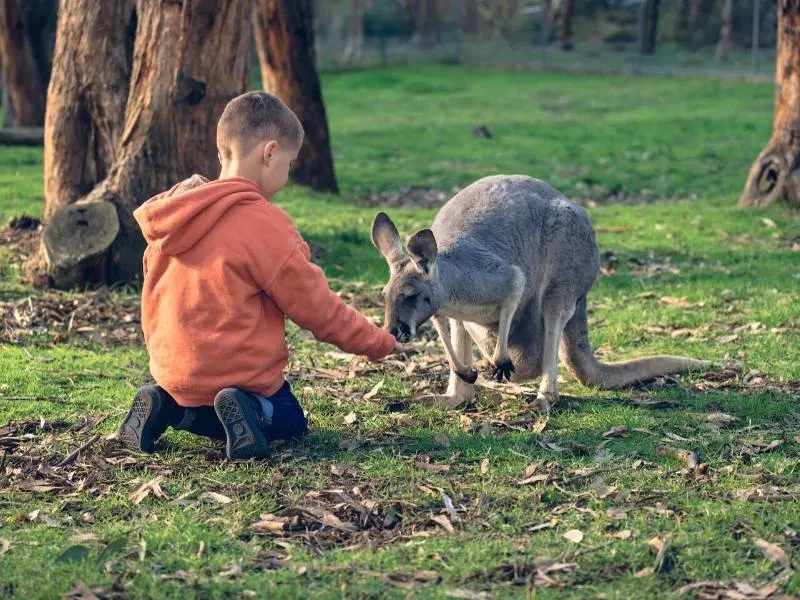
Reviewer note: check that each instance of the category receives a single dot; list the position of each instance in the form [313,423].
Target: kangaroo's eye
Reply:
[427,300]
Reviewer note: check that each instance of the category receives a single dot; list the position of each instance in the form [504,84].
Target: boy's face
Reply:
[276,161]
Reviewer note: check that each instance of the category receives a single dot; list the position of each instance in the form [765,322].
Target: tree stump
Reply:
[775,173]
[76,243]
[285,42]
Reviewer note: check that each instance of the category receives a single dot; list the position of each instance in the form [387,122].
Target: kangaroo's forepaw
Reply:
[502,370]
[546,400]
[470,375]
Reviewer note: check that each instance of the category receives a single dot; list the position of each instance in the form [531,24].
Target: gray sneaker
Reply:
[241,416]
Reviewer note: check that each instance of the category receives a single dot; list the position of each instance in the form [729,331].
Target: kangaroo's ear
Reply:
[423,249]
[386,239]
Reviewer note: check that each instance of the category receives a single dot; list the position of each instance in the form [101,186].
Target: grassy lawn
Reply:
[390,499]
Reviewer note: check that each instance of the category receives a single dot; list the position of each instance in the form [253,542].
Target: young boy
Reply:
[222,269]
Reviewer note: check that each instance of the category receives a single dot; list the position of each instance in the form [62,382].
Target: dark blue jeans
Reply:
[286,420]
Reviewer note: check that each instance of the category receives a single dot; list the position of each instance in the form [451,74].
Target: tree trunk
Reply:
[566,24]
[470,17]
[25,47]
[726,33]
[650,27]
[682,22]
[135,95]
[776,172]
[355,33]
[285,43]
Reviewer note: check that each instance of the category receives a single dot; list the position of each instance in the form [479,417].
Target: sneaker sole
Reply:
[135,428]
[243,441]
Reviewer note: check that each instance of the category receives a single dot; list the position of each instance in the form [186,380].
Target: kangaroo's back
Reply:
[525,222]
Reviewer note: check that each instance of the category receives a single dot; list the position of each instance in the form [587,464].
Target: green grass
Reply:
[679,150]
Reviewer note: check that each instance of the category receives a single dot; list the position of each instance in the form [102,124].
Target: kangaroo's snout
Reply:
[401,331]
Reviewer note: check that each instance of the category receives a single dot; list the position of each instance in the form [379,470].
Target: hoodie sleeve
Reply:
[301,291]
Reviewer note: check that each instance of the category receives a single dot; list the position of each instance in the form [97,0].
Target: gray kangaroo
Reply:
[507,264]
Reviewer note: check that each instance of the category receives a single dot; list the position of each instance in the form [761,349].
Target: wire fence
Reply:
[699,37]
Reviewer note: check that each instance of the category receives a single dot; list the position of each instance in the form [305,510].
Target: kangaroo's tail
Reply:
[576,353]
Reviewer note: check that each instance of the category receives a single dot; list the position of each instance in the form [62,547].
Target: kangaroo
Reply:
[507,264]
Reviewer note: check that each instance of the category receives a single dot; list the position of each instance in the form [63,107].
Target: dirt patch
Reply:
[20,238]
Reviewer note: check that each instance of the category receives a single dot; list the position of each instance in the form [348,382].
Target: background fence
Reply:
[714,37]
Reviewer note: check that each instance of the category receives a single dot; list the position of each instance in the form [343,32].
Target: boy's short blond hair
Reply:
[252,118]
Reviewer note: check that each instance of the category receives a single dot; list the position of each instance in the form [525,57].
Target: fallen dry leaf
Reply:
[485,466]
[153,486]
[444,522]
[679,302]
[5,546]
[768,222]
[350,418]
[215,498]
[82,592]
[624,534]
[374,391]
[465,594]
[772,551]
[340,468]
[574,535]
[727,339]
[451,510]
[269,523]
[431,467]
[616,432]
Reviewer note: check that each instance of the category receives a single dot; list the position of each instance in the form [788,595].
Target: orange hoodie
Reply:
[222,270]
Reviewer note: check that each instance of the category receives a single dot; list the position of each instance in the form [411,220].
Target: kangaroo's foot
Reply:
[502,369]
[546,400]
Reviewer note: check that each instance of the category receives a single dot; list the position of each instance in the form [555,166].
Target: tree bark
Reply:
[650,27]
[355,33]
[285,42]
[566,24]
[726,33]
[135,95]
[776,172]
[25,46]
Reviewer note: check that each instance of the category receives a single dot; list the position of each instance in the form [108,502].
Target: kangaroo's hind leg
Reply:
[556,312]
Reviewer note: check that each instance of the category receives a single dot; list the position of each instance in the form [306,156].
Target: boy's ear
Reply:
[423,250]
[386,239]
[269,149]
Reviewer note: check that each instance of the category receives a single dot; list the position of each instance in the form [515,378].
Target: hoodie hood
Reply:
[176,220]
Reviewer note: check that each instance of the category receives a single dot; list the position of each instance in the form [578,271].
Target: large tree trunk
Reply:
[355,33]
[649,26]
[726,33]
[681,33]
[566,24]
[135,95]
[26,39]
[285,42]
[776,172]
[470,18]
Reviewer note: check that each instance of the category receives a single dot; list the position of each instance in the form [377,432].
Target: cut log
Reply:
[76,243]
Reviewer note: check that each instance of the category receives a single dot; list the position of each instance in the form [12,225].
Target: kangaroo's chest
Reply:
[482,314]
